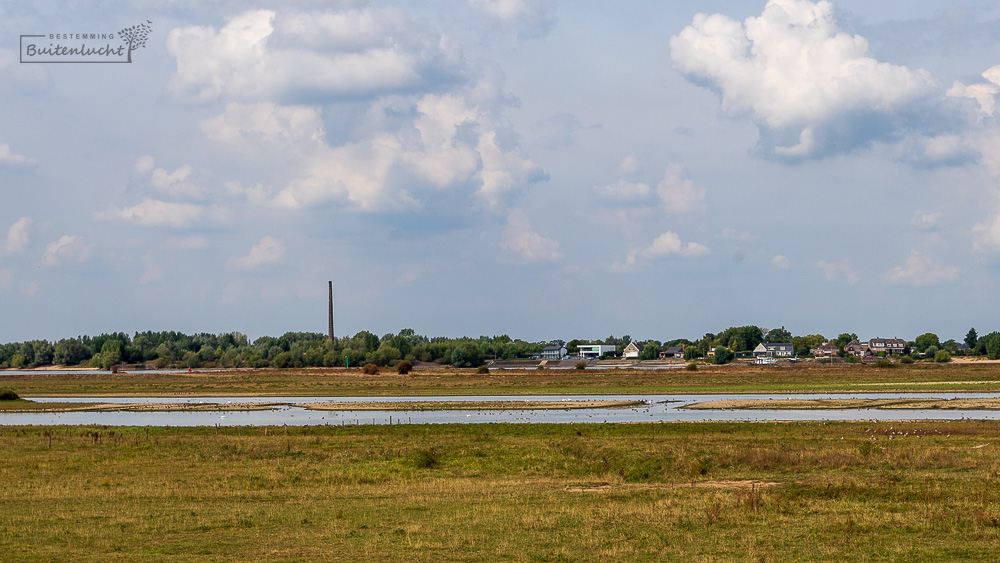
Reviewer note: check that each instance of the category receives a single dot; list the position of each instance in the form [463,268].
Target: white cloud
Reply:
[18,236]
[175,184]
[921,270]
[810,87]
[840,270]
[152,212]
[679,194]
[264,127]
[533,18]
[69,248]
[665,245]
[984,93]
[522,240]
[625,192]
[925,221]
[780,262]
[448,146]
[264,55]
[13,161]
[987,234]
[267,251]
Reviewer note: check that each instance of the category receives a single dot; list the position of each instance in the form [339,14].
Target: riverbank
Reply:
[838,404]
[339,382]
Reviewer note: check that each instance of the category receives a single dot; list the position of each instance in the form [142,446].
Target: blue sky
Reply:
[538,168]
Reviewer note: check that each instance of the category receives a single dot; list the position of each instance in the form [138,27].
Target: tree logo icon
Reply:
[135,36]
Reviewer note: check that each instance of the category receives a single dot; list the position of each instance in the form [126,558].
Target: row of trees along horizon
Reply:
[303,349]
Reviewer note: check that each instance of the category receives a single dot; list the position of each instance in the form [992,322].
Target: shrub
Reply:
[483,370]
[850,359]
[942,356]
[884,364]
[581,365]
[426,459]
[404,367]
[692,366]
[906,360]
[539,366]
[8,395]
[370,369]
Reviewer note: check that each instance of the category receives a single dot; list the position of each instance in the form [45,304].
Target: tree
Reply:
[70,352]
[650,350]
[778,335]
[926,340]
[971,338]
[466,355]
[844,339]
[723,355]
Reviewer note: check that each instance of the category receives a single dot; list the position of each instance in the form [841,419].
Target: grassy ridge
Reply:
[649,492]
[981,377]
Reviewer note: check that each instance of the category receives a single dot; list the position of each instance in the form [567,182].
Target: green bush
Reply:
[942,356]
[483,370]
[692,366]
[8,395]
[884,364]
[906,360]
[581,365]
[404,367]
[370,369]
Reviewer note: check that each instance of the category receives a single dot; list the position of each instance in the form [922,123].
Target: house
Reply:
[855,348]
[596,350]
[553,352]
[825,350]
[774,350]
[633,350]
[891,346]
[672,352]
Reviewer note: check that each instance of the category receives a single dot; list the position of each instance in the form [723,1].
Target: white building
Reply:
[596,350]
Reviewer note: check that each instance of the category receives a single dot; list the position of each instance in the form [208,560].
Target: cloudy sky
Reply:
[540,168]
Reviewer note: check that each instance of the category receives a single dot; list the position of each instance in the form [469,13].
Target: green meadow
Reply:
[918,491]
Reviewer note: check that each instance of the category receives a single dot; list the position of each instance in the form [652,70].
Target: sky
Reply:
[537,168]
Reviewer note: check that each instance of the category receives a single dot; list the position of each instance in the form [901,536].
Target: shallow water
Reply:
[657,408]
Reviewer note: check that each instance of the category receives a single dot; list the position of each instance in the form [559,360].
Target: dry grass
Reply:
[971,376]
[707,492]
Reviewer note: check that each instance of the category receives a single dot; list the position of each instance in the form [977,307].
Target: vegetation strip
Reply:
[30,406]
[828,404]
[469,405]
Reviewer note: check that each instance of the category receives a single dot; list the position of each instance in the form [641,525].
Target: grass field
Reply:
[921,491]
[339,382]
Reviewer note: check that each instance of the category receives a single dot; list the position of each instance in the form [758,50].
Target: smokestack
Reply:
[331,311]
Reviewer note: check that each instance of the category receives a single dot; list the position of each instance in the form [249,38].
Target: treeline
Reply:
[306,349]
[234,349]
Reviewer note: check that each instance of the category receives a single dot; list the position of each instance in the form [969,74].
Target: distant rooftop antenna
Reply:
[331,311]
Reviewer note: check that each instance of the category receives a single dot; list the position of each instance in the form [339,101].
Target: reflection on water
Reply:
[657,408]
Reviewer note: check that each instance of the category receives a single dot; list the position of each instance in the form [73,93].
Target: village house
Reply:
[855,348]
[672,352]
[891,346]
[774,350]
[553,352]
[633,350]
[595,350]
[825,350]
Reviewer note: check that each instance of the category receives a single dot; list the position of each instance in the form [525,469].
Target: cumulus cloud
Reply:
[987,234]
[666,245]
[531,18]
[265,127]
[780,262]
[69,248]
[521,240]
[679,194]
[157,213]
[267,251]
[838,271]
[449,145]
[18,236]
[264,55]
[919,269]
[925,221]
[811,88]
[12,161]
[983,93]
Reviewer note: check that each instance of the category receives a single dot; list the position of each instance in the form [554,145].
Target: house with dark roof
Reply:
[672,352]
[825,350]
[553,352]
[633,350]
[774,350]
[891,346]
